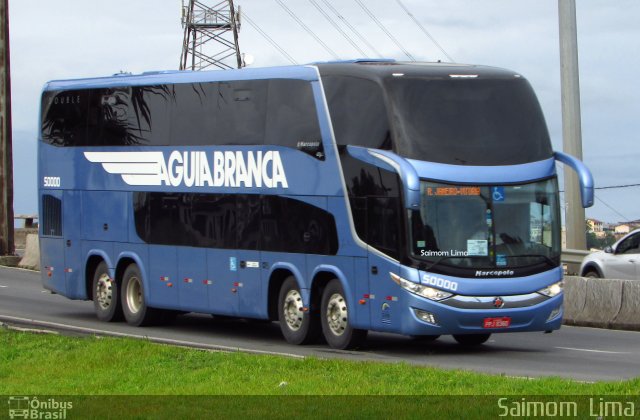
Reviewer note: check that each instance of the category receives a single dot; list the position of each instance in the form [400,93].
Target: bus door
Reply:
[384,305]
[72,228]
[52,241]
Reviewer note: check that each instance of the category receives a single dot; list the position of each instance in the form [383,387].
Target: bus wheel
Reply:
[298,326]
[136,312]
[106,299]
[336,326]
[471,339]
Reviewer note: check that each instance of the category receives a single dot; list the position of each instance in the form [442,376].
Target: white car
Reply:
[619,261]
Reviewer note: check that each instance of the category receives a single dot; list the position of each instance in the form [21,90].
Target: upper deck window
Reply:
[358,112]
[467,121]
[253,112]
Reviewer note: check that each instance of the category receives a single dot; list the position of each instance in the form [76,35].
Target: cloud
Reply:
[76,38]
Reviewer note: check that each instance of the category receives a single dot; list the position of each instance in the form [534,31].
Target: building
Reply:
[622,229]
[597,227]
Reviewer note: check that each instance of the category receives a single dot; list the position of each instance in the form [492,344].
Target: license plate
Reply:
[501,322]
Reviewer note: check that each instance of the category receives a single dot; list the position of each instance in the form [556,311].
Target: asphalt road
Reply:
[586,354]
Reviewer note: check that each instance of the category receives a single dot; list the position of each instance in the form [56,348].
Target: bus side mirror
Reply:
[584,176]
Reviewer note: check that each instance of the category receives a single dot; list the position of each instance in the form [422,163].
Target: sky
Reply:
[66,39]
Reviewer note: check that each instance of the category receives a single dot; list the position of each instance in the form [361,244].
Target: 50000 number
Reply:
[51,181]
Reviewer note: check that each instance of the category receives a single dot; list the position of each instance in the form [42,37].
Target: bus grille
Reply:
[51,216]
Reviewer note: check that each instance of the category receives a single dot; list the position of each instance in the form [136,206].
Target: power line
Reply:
[307,29]
[612,209]
[424,30]
[617,186]
[268,38]
[610,187]
[353,29]
[338,28]
[381,26]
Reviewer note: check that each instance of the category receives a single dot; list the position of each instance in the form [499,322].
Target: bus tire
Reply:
[471,339]
[106,295]
[336,324]
[298,325]
[135,309]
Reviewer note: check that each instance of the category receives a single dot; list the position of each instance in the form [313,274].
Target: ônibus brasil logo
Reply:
[193,168]
[22,407]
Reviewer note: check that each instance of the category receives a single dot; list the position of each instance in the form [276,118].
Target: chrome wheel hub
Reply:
[104,291]
[134,295]
[337,315]
[292,309]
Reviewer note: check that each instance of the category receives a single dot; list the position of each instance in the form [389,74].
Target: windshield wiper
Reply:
[547,259]
[451,256]
[429,267]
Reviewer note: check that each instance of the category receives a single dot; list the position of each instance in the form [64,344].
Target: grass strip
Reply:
[47,364]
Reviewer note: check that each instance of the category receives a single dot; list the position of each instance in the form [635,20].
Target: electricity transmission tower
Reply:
[210,35]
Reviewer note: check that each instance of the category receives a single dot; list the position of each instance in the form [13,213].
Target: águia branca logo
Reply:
[195,168]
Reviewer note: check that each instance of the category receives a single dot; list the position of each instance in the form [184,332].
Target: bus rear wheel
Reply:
[336,324]
[298,325]
[135,309]
[471,339]
[106,295]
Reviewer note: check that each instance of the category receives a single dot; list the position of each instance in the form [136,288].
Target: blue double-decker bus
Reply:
[335,198]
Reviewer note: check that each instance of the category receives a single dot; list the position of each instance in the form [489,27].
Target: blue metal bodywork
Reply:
[98,206]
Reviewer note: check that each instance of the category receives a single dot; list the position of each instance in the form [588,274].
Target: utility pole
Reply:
[6,157]
[210,36]
[571,125]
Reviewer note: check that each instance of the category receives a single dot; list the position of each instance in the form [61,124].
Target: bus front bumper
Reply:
[427,317]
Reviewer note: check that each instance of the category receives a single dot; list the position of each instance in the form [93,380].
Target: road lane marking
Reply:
[3,286]
[594,351]
[160,340]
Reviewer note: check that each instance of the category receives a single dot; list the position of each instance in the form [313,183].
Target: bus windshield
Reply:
[467,121]
[486,227]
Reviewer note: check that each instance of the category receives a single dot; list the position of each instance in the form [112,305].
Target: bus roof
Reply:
[367,68]
[185,76]
[375,69]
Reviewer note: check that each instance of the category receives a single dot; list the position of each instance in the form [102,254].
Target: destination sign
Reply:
[453,191]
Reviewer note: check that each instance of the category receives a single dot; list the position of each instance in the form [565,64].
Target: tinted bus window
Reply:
[256,112]
[292,120]
[374,196]
[234,221]
[108,119]
[241,108]
[468,122]
[358,112]
[128,116]
[152,112]
[193,114]
[64,115]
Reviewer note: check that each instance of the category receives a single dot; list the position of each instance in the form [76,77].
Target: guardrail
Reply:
[602,303]
[28,219]
[573,256]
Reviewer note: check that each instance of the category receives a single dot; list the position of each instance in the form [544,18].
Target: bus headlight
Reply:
[420,290]
[552,290]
